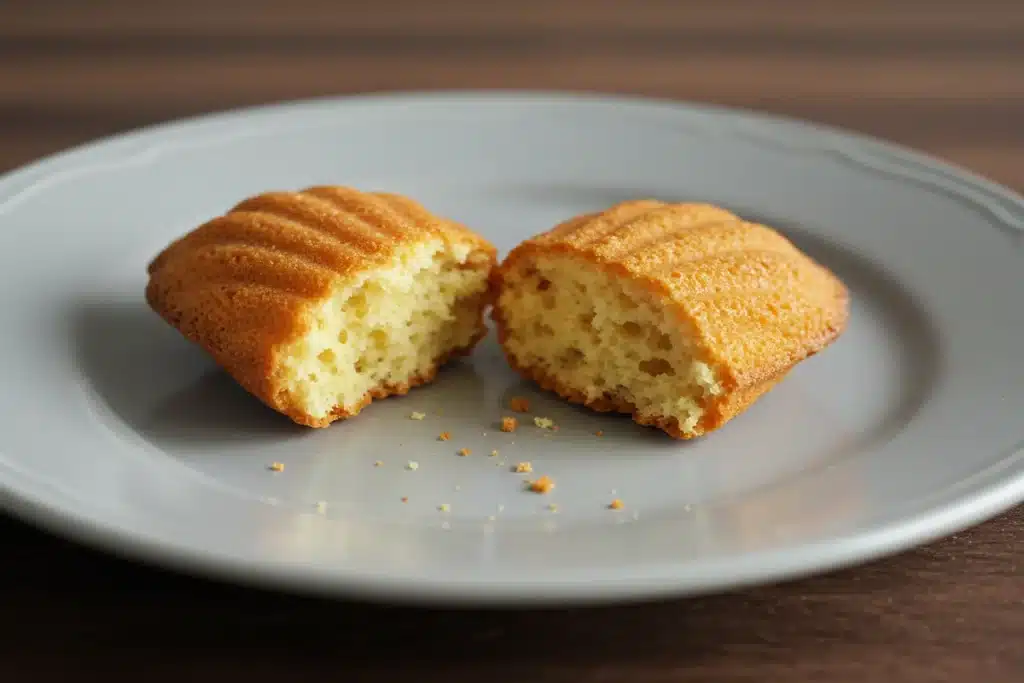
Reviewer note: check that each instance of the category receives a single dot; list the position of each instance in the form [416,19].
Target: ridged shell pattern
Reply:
[239,285]
[312,236]
[757,303]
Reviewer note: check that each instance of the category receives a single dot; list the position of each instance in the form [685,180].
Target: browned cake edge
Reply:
[255,372]
[243,326]
[718,410]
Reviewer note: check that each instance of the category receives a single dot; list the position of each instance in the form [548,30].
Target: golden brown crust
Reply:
[754,304]
[243,284]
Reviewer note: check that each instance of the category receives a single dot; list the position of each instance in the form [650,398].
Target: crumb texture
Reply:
[680,314]
[318,301]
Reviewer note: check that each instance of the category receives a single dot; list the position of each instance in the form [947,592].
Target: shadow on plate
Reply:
[873,287]
[168,391]
[578,421]
[162,387]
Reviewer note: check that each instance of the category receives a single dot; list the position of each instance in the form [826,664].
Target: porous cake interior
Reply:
[386,328]
[604,336]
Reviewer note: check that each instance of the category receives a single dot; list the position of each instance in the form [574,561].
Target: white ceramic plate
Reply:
[116,431]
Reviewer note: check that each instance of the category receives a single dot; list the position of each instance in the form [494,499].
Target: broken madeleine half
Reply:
[319,301]
[679,314]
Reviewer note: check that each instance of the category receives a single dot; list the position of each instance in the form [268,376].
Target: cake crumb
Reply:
[412,465]
[277,467]
[544,422]
[523,467]
[509,424]
[464,452]
[494,453]
[617,504]
[542,485]
[553,507]
[444,507]
[405,499]
[417,416]
[444,436]
[599,432]
[520,404]
[378,463]
[321,506]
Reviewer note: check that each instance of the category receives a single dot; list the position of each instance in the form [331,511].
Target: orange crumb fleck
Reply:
[520,404]
[542,485]
[464,452]
[444,436]
[277,466]
[617,504]
[524,467]
[509,424]
[599,432]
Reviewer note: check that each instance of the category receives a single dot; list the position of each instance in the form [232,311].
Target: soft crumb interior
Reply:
[604,337]
[386,328]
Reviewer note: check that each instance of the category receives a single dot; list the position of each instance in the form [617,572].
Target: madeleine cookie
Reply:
[319,301]
[679,314]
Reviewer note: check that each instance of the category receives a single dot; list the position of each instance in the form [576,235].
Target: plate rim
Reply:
[847,551]
[951,514]
[487,95]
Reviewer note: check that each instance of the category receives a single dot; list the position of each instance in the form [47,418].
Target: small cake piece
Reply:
[319,301]
[543,485]
[679,314]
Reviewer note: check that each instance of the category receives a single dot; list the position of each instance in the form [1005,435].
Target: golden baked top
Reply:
[320,234]
[756,304]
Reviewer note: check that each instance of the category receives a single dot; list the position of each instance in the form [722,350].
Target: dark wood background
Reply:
[945,77]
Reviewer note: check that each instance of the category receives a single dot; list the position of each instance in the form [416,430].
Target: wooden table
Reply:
[945,77]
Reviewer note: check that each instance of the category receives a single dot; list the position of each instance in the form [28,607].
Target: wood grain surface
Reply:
[944,77]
